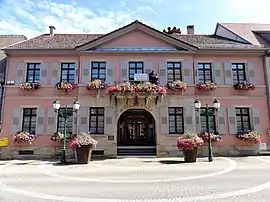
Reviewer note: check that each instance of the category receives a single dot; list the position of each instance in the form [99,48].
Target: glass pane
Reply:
[100,118]
[100,130]
[179,110]
[171,123]
[172,130]
[132,65]
[94,65]
[170,65]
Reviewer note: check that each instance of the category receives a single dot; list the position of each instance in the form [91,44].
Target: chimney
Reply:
[52,28]
[190,29]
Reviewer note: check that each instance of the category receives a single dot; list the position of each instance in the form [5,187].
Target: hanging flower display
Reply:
[252,136]
[177,86]
[24,137]
[96,85]
[213,137]
[27,86]
[207,86]
[65,86]
[244,86]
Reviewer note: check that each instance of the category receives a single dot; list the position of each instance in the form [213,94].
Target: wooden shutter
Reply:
[40,129]
[124,74]
[256,119]
[74,123]
[164,120]
[56,71]
[17,120]
[21,76]
[221,121]
[76,78]
[109,120]
[44,73]
[162,69]
[187,71]
[250,71]
[232,121]
[198,121]
[217,73]
[196,72]
[52,121]
[84,119]
[86,71]
[110,73]
[189,119]
[228,73]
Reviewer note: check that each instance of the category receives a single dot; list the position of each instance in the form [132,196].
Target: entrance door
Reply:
[136,127]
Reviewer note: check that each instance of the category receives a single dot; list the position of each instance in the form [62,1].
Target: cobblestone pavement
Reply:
[137,180]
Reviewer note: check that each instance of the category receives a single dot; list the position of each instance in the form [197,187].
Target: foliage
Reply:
[244,86]
[177,85]
[24,137]
[83,139]
[96,84]
[213,137]
[207,86]
[189,141]
[65,86]
[251,136]
[29,86]
[59,137]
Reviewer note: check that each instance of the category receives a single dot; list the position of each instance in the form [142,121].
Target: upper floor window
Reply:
[135,68]
[29,120]
[176,120]
[174,71]
[61,121]
[68,72]
[238,72]
[96,124]
[211,120]
[33,73]
[243,119]
[98,71]
[204,72]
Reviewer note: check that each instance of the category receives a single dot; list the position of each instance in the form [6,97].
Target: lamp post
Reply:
[208,113]
[65,114]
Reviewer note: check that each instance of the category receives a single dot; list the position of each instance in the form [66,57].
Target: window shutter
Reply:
[52,121]
[74,123]
[217,73]
[17,120]
[124,74]
[162,69]
[84,119]
[196,73]
[109,120]
[56,70]
[256,119]
[198,121]
[250,71]
[228,73]
[186,71]
[86,71]
[40,121]
[76,73]
[164,120]
[232,121]
[44,73]
[189,119]
[21,77]
[110,73]
[221,121]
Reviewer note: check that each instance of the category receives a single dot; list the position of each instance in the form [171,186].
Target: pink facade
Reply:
[128,40]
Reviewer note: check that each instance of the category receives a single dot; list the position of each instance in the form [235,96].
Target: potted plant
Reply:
[214,137]
[177,86]
[59,137]
[250,136]
[24,137]
[206,86]
[83,143]
[29,86]
[65,86]
[96,85]
[244,86]
[189,143]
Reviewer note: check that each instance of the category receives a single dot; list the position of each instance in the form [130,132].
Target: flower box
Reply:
[244,86]
[177,86]
[96,86]
[59,137]
[207,86]
[214,137]
[65,86]
[251,136]
[24,137]
[27,86]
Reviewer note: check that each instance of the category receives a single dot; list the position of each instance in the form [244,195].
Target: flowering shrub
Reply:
[83,139]
[29,86]
[189,141]
[177,85]
[24,137]
[65,86]
[207,86]
[96,85]
[213,137]
[252,136]
[244,86]
[59,137]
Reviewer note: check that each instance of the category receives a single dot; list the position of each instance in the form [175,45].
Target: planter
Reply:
[83,154]
[190,156]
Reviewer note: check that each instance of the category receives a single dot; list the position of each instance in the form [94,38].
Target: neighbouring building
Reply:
[129,126]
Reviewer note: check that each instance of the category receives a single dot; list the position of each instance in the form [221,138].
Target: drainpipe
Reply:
[266,68]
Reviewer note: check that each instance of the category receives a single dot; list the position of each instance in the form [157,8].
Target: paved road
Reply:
[137,180]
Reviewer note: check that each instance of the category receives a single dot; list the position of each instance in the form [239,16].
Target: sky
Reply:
[33,17]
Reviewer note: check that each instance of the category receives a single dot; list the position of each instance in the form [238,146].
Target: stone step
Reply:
[264,153]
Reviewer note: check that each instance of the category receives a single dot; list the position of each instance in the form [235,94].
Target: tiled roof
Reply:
[6,40]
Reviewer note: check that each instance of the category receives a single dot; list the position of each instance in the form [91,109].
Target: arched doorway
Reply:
[136,133]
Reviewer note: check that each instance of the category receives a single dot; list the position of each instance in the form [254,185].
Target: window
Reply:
[174,71]
[135,68]
[243,119]
[176,120]
[68,72]
[61,121]
[29,120]
[211,119]
[238,71]
[33,73]
[98,71]
[204,72]
[96,124]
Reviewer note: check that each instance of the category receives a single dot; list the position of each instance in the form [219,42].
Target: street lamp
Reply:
[208,113]
[65,114]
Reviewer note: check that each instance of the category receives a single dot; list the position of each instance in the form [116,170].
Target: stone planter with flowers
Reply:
[206,87]
[83,143]
[96,85]
[27,86]
[24,137]
[177,86]
[251,137]
[65,86]
[244,86]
